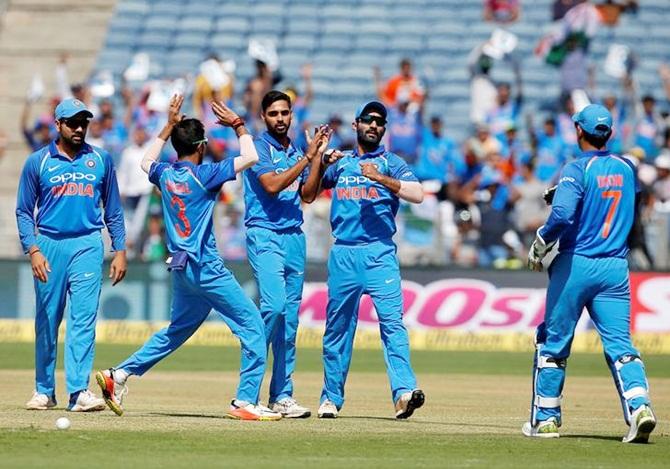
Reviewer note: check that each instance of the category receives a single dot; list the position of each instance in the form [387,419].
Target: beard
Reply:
[366,138]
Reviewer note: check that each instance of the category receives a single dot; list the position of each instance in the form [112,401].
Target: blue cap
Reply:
[71,107]
[594,119]
[372,106]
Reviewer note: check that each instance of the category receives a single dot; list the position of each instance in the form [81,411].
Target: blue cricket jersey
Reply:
[274,212]
[594,206]
[363,211]
[69,195]
[189,193]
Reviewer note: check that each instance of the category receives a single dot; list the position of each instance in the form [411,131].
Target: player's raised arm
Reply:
[316,148]
[248,155]
[174,117]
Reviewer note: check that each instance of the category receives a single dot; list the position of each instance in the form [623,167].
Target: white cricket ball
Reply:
[63,423]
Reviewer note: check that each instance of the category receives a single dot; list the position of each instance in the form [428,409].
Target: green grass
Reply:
[20,356]
[292,449]
[476,403]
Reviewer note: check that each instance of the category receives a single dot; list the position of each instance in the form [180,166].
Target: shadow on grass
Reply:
[592,437]
[421,422]
[199,416]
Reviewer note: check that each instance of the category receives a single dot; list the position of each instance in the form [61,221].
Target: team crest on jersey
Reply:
[90,163]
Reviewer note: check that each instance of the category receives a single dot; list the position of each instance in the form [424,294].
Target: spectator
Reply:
[493,203]
[256,88]
[134,187]
[339,139]
[404,129]
[618,112]
[661,187]
[300,108]
[561,7]
[649,128]
[501,11]
[94,135]
[404,84]
[153,249]
[439,156]
[513,151]
[530,211]
[482,145]
[566,128]
[483,92]
[214,80]
[548,151]
[41,134]
[506,109]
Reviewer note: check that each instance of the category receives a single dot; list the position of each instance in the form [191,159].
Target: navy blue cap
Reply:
[69,108]
[372,106]
[594,119]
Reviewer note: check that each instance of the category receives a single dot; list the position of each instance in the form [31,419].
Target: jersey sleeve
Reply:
[212,176]
[568,195]
[156,171]
[112,203]
[400,170]
[27,195]
[264,164]
[329,178]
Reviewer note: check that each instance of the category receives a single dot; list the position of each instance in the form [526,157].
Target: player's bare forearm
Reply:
[390,183]
[274,183]
[312,186]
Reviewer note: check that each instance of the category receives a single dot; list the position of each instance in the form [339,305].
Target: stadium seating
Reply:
[345,39]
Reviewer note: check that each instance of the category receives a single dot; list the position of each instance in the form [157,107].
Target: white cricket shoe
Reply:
[642,424]
[290,409]
[327,410]
[544,429]
[242,410]
[408,402]
[113,389]
[40,402]
[87,402]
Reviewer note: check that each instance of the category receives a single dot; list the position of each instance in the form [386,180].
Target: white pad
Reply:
[632,393]
[545,363]
[618,365]
[548,402]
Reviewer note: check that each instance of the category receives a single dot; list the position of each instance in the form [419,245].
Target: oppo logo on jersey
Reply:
[347,180]
[73,177]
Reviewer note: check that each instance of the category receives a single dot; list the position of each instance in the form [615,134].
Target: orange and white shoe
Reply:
[113,392]
[242,410]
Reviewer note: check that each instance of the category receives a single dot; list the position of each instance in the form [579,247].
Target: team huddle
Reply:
[70,182]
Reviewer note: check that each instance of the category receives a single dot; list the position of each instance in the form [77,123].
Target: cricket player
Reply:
[367,187]
[593,211]
[201,282]
[69,182]
[273,191]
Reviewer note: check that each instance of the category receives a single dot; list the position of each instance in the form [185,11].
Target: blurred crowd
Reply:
[483,199]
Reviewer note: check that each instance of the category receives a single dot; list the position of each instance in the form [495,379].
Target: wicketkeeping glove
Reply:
[548,194]
[538,250]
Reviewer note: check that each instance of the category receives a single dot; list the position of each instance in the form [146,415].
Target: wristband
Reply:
[33,252]
[239,122]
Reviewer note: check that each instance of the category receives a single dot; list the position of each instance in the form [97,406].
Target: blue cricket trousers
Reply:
[278,262]
[601,285]
[196,291]
[76,276]
[352,271]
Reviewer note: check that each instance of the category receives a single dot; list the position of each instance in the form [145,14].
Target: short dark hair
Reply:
[185,134]
[272,97]
[597,141]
